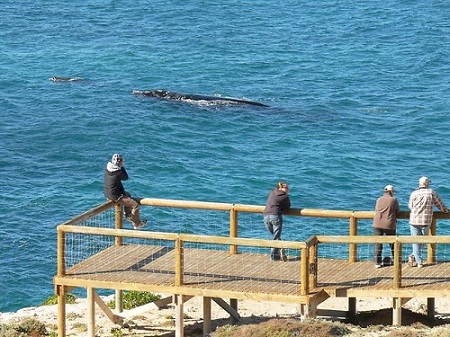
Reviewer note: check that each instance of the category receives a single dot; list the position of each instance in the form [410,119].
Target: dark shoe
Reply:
[387,261]
[283,255]
[140,225]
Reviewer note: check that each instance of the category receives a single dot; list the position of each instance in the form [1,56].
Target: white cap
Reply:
[424,181]
[389,188]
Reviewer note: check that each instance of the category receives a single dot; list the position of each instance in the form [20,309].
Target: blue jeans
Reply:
[417,247]
[274,224]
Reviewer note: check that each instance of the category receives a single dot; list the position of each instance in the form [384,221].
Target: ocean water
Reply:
[359,96]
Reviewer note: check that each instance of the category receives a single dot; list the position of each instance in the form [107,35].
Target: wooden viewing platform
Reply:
[218,268]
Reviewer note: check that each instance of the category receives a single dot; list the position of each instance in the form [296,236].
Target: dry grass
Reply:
[285,328]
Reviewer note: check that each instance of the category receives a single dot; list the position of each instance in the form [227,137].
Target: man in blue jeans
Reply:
[277,202]
[421,202]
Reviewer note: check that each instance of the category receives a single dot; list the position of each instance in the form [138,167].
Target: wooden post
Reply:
[431,304]
[431,255]
[396,311]
[119,242]
[61,290]
[119,301]
[61,293]
[313,266]
[351,307]
[234,305]
[61,257]
[179,316]
[90,312]
[178,262]
[118,223]
[304,272]
[233,229]
[353,246]
[206,316]
[397,265]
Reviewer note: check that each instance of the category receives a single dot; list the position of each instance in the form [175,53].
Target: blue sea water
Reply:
[359,95]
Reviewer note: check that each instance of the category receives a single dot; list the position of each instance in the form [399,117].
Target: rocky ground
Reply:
[153,321]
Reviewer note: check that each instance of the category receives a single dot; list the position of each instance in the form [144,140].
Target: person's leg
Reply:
[268,224]
[391,232]
[424,230]
[277,227]
[131,209]
[378,247]
[273,225]
[416,231]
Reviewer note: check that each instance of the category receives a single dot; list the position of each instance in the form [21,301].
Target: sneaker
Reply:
[378,266]
[412,261]
[139,225]
[129,219]
[283,255]
[419,265]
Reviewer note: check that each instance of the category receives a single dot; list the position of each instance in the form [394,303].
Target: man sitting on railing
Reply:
[113,189]
[421,202]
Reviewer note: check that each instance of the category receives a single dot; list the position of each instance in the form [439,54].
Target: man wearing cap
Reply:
[113,189]
[421,202]
[385,220]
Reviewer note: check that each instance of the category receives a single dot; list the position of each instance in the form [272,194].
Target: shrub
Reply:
[53,299]
[285,328]
[26,327]
[133,299]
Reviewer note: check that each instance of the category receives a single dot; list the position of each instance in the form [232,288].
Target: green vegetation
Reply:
[116,332]
[133,299]
[53,299]
[26,327]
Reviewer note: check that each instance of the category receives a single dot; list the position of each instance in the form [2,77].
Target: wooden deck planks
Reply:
[217,270]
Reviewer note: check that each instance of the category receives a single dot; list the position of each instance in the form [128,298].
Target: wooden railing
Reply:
[235,209]
[179,241]
[308,249]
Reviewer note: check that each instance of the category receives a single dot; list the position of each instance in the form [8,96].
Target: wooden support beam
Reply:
[90,312]
[119,300]
[308,310]
[61,294]
[163,302]
[179,316]
[431,304]
[396,311]
[225,306]
[206,316]
[351,307]
[234,305]
[116,319]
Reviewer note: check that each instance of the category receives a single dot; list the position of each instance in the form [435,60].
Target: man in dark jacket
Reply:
[385,221]
[113,189]
[277,202]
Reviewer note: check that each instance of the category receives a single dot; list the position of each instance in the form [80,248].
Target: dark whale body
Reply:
[192,97]
[64,79]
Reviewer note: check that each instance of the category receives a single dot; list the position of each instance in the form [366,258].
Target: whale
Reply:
[165,94]
[64,79]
